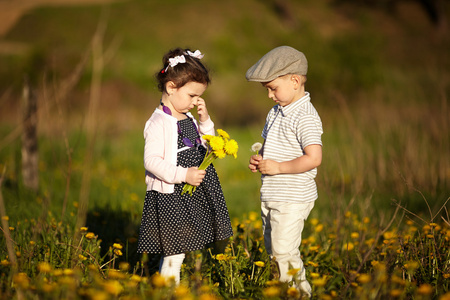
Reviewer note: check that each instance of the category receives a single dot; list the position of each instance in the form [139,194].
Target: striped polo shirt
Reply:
[287,132]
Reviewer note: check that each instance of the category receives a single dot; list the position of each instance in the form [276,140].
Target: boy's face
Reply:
[285,89]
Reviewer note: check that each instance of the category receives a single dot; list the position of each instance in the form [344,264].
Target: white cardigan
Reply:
[160,151]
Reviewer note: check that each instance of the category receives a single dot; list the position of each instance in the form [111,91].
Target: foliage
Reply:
[351,260]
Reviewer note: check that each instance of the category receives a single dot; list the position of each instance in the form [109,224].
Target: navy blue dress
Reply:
[174,223]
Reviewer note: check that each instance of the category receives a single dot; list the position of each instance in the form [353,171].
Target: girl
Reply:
[173,224]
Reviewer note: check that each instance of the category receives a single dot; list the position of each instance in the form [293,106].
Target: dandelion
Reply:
[271,291]
[5,218]
[320,282]
[348,246]
[113,287]
[396,293]
[118,252]
[89,235]
[293,292]
[158,281]
[259,264]
[21,279]
[217,147]
[181,291]
[318,228]
[4,263]
[11,228]
[364,278]
[44,267]
[117,246]
[82,257]
[83,229]
[425,289]
[292,272]
[256,147]
[223,134]
[354,235]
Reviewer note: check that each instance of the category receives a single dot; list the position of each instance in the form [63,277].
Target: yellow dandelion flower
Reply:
[253,216]
[223,133]
[260,264]
[446,275]
[124,266]
[314,221]
[366,220]
[44,267]
[117,246]
[118,252]
[136,278]
[354,235]
[207,137]
[4,263]
[314,248]
[158,280]
[181,291]
[319,282]
[32,243]
[68,272]
[271,291]
[364,278]
[216,143]
[21,279]
[318,228]
[221,256]
[220,153]
[90,235]
[396,293]
[348,246]
[5,218]
[82,257]
[83,229]
[113,287]
[231,148]
[425,289]
[292,272]
[293,292]
[315,275]
[11,228]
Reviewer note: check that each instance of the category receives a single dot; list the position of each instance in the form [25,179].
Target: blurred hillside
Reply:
[360,53]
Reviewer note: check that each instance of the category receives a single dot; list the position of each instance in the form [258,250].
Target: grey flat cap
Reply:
[278,62]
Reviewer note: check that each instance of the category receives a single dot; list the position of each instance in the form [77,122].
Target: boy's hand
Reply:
[254,162]
[269,167]
[201,110]
[194,176]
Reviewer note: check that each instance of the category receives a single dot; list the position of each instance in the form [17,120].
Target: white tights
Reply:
[170,266]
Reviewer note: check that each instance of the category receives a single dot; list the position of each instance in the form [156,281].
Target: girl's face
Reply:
[285,89]
[184,99]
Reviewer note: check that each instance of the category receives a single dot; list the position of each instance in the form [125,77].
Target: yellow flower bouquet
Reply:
[217,147]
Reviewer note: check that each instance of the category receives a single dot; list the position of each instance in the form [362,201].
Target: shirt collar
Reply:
[294,106]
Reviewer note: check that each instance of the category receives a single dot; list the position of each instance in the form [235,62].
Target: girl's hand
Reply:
[201,110]
[194,176]
[254,162]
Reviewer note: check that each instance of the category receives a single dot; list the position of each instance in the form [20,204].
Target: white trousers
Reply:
[283,224]
[170,266]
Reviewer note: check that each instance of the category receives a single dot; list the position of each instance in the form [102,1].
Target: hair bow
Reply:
[196,54]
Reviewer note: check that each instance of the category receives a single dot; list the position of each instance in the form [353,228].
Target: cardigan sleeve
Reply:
[156,161]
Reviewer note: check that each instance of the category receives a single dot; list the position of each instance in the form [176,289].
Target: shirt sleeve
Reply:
[309,130]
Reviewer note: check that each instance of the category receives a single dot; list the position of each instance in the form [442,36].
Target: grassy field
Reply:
[380,228]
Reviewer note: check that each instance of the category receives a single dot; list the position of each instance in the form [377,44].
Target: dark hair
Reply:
[182,73]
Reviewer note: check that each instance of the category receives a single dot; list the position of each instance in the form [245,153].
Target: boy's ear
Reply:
[296,80]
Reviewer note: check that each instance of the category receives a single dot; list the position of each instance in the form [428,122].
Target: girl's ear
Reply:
[170,87]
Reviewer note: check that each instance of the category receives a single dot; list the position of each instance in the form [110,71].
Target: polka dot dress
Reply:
[174,223]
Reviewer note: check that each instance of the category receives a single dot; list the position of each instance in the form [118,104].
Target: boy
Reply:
[291,153]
